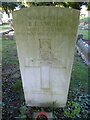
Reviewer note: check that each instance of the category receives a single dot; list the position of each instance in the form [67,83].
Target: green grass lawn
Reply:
[4,27]
[9,53]
[87,19]
[86,34]
[79,76]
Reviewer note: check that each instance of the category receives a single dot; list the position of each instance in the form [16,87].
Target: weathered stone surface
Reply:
[45,38]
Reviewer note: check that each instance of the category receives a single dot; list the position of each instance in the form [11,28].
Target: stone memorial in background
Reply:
[45,38]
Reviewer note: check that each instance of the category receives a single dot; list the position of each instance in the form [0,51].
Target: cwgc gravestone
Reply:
[45,38]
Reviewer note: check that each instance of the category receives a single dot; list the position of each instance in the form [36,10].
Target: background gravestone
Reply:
[45,38]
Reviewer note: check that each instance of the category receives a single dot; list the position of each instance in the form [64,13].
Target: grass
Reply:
[87,19]
[79,76]
[9,53]
[4,27]
[17,86]
[86,34]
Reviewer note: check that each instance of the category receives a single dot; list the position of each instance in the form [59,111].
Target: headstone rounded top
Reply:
[49,7]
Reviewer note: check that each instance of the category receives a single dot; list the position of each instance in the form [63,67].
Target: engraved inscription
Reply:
[45,50]
[47,56]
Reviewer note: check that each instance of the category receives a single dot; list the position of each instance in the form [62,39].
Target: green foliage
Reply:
[72,110]
[88,5]
[75,5]
[17,86]
[9,5]
[22,115]
[85,34]
[2,104]
[52,106]
[12,5]
[22,110]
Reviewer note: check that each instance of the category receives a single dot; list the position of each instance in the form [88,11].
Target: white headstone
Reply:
[45,38]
